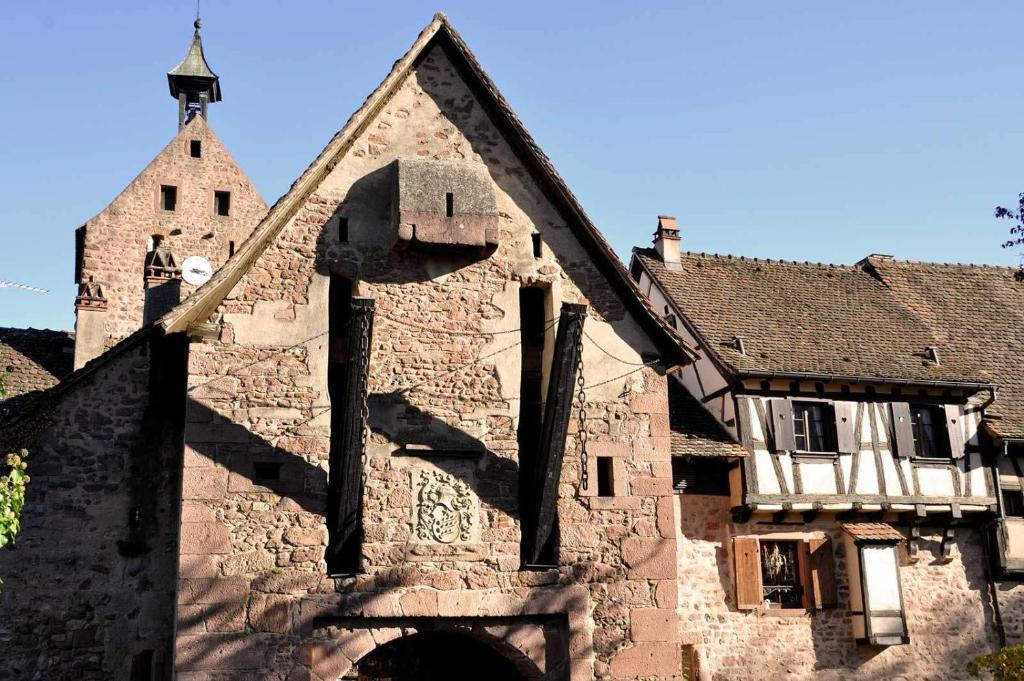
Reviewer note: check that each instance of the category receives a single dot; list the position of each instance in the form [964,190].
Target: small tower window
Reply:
[449,204]
[222,203]
[168,197]
[605,476]
[231,248]
[154,242]
[342,229]
[195,148]
[536,245]
[266,471]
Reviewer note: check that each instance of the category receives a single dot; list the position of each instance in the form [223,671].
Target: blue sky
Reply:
[798,130]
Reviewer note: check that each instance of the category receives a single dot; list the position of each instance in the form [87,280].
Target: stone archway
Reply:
[436,656]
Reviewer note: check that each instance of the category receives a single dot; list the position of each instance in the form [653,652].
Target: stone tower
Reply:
[191,200]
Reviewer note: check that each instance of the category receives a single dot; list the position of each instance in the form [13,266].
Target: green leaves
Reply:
[12,495]
[1005,665]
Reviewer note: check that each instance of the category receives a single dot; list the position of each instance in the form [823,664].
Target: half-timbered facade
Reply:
[872,485]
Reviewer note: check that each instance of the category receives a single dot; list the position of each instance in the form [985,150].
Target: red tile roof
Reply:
[881,532]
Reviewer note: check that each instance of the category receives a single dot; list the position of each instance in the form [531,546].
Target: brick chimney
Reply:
[666,239]
[90,317]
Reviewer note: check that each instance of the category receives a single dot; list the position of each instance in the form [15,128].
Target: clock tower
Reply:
[190,208]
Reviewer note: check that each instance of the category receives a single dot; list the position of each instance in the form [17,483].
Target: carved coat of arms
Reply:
[445,508]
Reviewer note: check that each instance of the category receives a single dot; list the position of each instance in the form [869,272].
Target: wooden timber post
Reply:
[348,446]
[565,365]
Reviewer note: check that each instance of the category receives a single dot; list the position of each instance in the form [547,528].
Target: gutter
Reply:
[809,376]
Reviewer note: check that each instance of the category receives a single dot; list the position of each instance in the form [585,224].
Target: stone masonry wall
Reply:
[445,366]
[72,607]
[117,238]
[949,613]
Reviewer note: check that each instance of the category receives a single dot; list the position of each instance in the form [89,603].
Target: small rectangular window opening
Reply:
[814,427]
[536,245]
[231,248]
[195,148]
[142,666]
[928,424]
[222,202]
[1013,503]
[605,476]
[449,204]
[266,471]
[342,229]
[79,253]
[168,197]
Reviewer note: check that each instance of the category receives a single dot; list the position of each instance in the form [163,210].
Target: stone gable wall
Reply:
[444,369]
[72,606]
[949,611]
[117,238]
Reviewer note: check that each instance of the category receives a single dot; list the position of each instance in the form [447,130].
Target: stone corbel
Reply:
[948,540]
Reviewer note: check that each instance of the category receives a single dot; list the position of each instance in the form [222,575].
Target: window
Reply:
[168,197]
[154,242]
[701,476]
[780,575]
[814,427]
[79,253]
[928,424]
[222,203]
[266,471]
[1013,503]
[605,476]
[784,573]
[195,148]
[449,204]
[231,248]
[876,593]
[536,245]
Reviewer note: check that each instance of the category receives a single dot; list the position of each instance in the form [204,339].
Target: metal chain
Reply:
[582,415]
[364,411]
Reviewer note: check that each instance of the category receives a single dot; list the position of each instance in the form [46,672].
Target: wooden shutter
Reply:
[749,593]
[782,425]
[846,439]
[819,580]
[903,428]
[955,429]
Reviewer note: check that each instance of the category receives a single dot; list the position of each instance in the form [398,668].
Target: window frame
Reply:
[939,436]
[798,579]
[829,436]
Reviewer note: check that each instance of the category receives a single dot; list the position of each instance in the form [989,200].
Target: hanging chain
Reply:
[582,414]
[364,391]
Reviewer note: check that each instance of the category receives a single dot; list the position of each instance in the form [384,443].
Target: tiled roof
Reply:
[976,314]
[34,359]
[882,532]
[800,317]
[694,431]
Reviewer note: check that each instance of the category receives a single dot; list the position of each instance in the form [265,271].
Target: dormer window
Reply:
[928,423]
[814,427]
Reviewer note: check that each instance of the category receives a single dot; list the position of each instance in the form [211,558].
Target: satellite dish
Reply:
[196,270]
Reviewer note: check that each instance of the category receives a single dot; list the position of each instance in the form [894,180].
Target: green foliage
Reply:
[1004,665]
[12,496]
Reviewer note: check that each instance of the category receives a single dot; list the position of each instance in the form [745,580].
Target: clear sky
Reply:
[801,130]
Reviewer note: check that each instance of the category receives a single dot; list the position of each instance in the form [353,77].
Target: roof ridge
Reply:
[773,261]
[935,263]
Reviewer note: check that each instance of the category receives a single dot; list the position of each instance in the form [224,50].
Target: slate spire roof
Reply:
[194,69]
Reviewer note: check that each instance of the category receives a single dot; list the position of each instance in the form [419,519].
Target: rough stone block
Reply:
[205,538]
[649,558]
[654,624]
[647,660]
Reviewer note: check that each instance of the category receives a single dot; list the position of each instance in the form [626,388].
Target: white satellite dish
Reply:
[196,270]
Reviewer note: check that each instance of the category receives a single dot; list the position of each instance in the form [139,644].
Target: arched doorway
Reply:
[436,656]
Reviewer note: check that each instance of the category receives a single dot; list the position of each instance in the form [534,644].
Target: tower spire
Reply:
[192,82]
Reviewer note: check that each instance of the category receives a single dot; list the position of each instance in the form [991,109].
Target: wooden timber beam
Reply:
[541,514]
[348,428]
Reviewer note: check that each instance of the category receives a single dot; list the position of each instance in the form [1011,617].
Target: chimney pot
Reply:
[666,240]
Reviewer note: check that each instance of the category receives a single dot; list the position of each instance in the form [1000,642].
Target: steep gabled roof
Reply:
[438,32]
[34,359]
[976,315]
[830,320]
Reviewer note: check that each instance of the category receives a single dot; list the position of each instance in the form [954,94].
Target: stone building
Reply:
[874,530]
[420,422]
[416,425]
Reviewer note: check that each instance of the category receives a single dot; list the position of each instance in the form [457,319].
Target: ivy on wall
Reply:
[12,490]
